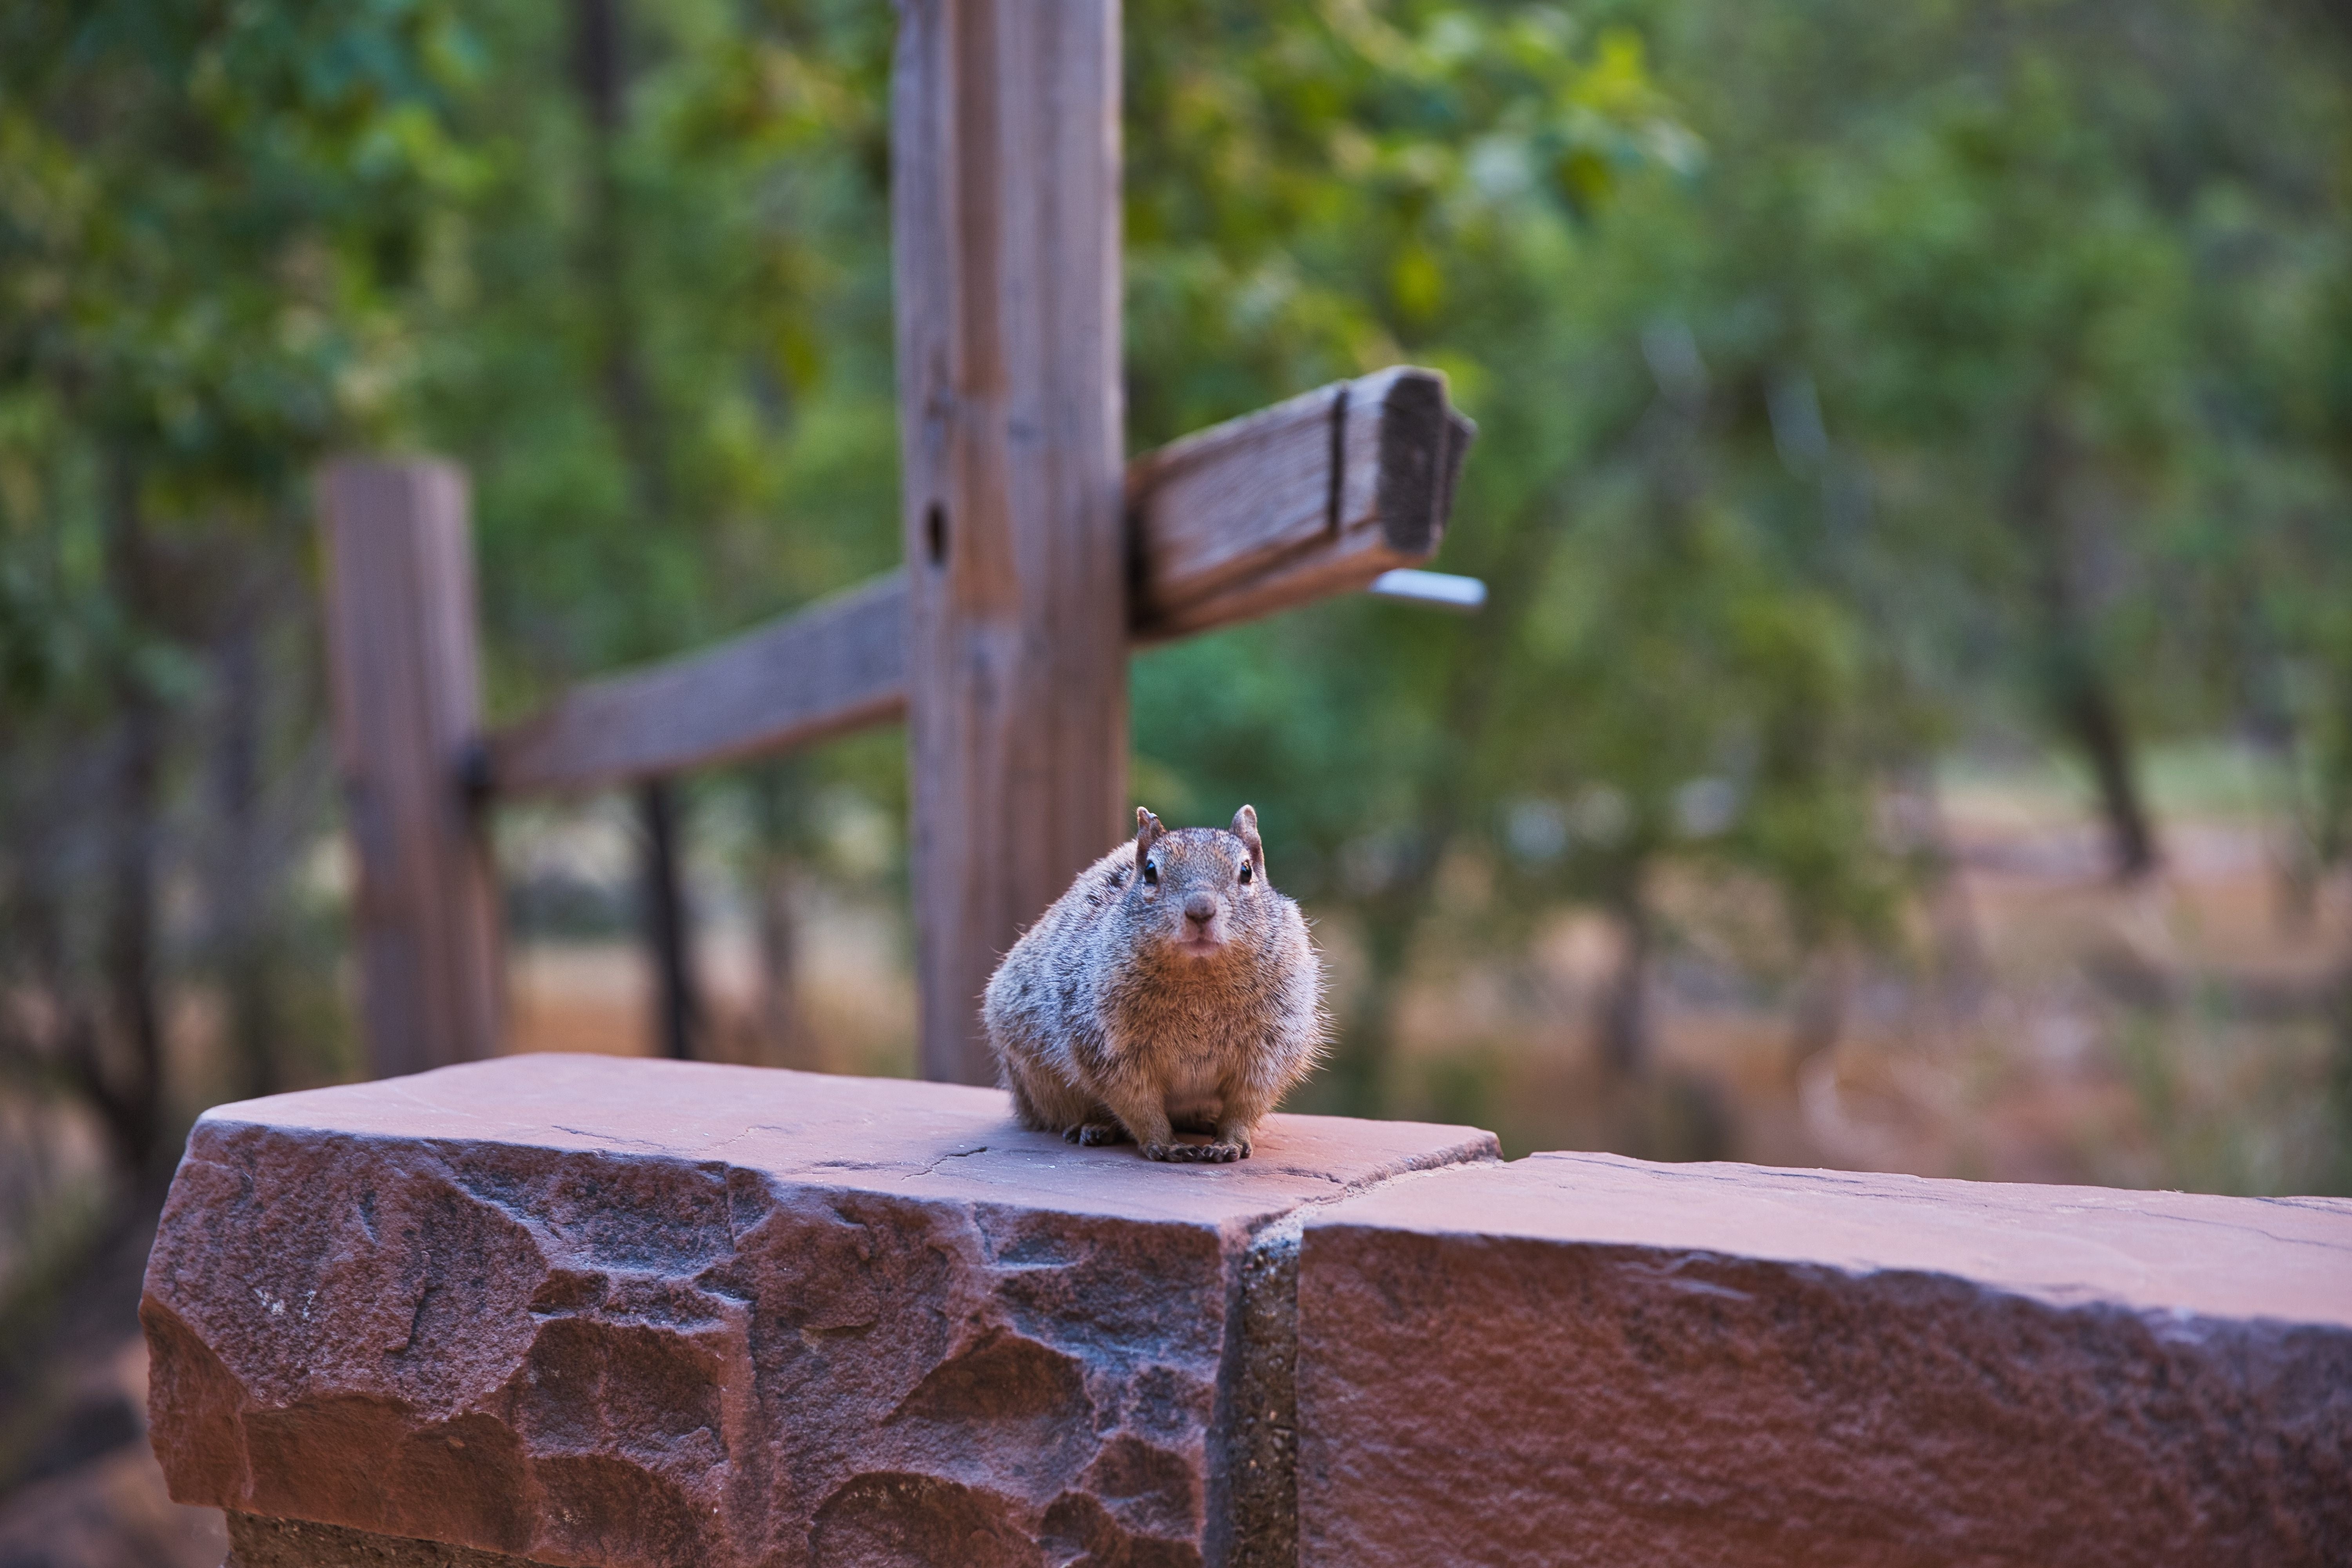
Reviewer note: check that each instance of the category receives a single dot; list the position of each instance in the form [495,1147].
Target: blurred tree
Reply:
[207,219]
[658,331]
[1325,190]
[1899,410]
[661,341]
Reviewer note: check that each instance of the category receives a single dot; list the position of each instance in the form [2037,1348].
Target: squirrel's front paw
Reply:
[1090,1134]
[1206,1154]
[1166,1152]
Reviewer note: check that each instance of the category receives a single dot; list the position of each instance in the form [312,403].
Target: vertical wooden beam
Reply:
[401,644]
[668,932]
[1005,212]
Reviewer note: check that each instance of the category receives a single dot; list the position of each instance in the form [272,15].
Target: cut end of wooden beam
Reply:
[1438,590]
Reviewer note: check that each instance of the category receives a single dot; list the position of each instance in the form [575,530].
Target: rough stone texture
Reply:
[1580,1358]
[584,1310]
[256,1541]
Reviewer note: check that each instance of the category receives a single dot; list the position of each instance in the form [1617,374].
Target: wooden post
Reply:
[401,645]
[1006,213]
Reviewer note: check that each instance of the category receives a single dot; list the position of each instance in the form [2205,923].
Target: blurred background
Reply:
[1911,728]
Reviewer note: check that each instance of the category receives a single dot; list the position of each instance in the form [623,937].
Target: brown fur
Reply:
[1120,1015]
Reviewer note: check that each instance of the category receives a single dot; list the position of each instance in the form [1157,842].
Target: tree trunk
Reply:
[75,1045]
[677,1011]
[1393,917]
[1623,1022]
[240,886]
[134,1108]
[2078,692]
[783,1028]
[779,795]
[1359,1060]
[599,63]
[601,73]
[2090,711]
[2338,1088]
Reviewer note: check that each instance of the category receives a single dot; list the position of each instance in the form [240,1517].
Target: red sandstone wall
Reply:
[584,1310]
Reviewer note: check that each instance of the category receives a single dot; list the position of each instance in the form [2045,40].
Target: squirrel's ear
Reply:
[1147,833]
[1246,829]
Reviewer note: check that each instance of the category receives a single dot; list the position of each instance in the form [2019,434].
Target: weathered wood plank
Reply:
[1208,510]
[837,666]
[406,695]
[1221,527]
[1006,239]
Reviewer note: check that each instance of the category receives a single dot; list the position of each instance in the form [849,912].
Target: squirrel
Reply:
[1170,987]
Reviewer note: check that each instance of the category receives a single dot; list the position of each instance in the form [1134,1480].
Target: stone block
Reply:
[1585,1360]
[581,1310]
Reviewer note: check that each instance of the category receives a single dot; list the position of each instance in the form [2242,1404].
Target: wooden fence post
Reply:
[1005,224]
[401,647]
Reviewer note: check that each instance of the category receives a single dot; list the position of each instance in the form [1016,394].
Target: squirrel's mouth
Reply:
[1200,944]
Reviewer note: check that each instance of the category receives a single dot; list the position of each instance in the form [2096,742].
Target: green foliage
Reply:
[1977,375]
[207,222]
[663,349]
[1315,191]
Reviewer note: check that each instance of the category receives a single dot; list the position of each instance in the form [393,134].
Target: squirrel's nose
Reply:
[1200,908]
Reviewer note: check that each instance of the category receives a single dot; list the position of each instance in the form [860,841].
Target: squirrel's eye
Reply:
[1245,870]
[1152,872]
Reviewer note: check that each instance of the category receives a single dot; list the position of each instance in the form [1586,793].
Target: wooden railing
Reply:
[1322,494]
[1319,495]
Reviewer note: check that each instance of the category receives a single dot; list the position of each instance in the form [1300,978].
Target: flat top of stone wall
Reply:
[2185,1252]
[895,1135]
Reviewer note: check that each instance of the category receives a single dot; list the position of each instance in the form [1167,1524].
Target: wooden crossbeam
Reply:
[837,666]
[1316,496]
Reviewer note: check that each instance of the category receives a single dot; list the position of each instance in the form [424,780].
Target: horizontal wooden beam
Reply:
[1316,496]
[837,666]
[1313,497]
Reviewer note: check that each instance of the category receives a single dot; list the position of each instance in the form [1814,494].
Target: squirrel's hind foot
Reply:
[1092,1134]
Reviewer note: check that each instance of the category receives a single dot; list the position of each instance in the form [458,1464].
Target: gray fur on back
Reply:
[1102,1021]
